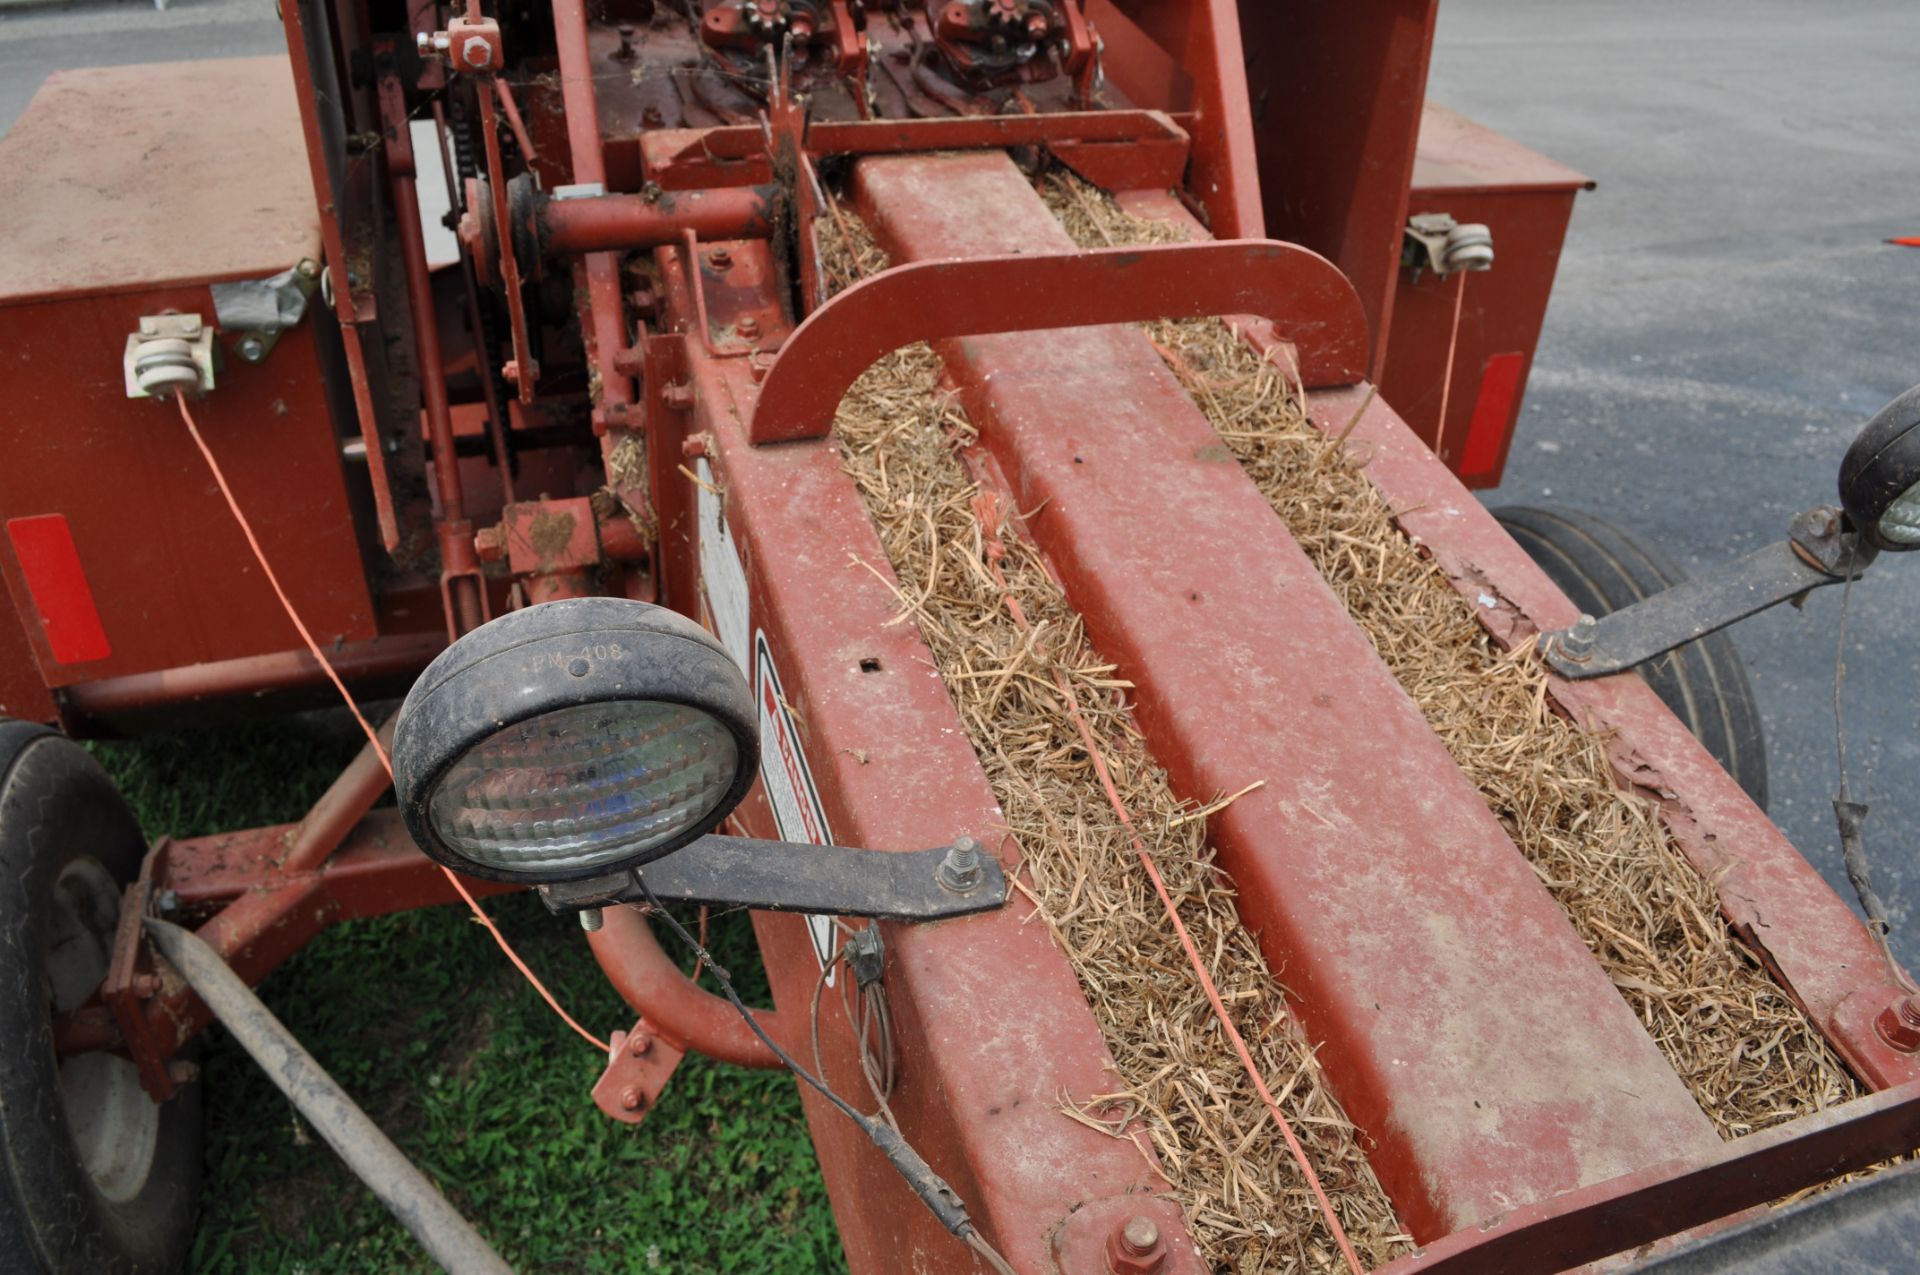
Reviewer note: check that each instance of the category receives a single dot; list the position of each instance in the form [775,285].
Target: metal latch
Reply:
[169,353]
[1436,242]
[256,311]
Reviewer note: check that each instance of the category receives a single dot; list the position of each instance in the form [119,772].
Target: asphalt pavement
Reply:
[1726,313]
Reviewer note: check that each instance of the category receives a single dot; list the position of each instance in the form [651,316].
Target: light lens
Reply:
[1901,522]
[584,786]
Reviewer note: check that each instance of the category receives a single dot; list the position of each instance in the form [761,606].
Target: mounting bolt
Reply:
[639,1044]
[961,870]
[145,986]
[748,327]
[1576,643]
[477,53]
[1135,1247]
[625,52]
[252,349]
[720,259]
[632,1099]
[183,1071]
[590,920]
[677,396]
[1899,1024]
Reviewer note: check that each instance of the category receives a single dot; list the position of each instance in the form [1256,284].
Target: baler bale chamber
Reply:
[984,484]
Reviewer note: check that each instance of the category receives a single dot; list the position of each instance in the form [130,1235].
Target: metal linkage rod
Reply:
[448,1238]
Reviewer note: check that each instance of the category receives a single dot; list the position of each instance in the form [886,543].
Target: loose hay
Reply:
[1748,1054]
[1249,1205]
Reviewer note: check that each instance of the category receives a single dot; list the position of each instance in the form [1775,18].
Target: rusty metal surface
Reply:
[1773,897]
[1305,299]
[1623,1213]
[1419,945]
[983,1072]
[154,204]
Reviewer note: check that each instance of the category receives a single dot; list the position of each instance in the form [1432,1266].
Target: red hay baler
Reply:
[562,469]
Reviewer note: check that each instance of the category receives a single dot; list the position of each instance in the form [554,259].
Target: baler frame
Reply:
[722,377]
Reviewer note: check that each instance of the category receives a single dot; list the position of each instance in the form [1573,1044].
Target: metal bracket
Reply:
[169,353]
[785,876]
[257,311]
[1821,550]
[1436,242]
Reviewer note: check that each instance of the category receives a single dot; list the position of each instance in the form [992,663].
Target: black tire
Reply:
[64,825]
[1602,568]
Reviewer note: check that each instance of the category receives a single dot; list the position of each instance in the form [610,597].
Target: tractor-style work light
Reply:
[578,744]
[1880,477]
[573,739]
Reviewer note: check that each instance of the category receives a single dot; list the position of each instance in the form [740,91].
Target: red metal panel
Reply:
[57,584]
[175,582]
[1780,905]
[1526,199]
[1420,945]
[994,1030]
[1306,300]
[1339,86]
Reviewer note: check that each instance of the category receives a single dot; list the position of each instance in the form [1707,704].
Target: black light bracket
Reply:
[1821,548]
[958,879]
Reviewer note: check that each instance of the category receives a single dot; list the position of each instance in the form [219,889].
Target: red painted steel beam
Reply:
[1464,1025]
[621,223]
[1775,899]
[405,653]
[994,1031]
[1623,1213]
[1133,149]
[1307,300]
[659,991]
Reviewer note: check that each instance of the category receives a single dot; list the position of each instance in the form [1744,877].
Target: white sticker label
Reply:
[721,573]
[789,781]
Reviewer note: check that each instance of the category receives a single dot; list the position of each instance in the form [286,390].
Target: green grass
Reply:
[446,1047]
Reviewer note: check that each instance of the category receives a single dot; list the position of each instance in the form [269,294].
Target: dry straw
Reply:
[1177,1076]
[1746,1051]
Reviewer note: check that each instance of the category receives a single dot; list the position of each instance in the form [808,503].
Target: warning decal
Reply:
[788,779]
[721,573]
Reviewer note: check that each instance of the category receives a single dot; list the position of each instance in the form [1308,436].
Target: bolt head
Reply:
[1134,1247]
[1899,1024]
[639,1044]
[252,349]
[632,1099]
[748,326]
[476,53]
[720,259]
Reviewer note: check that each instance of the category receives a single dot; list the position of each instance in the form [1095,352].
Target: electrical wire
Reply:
[941,1200]
[1851,815]
[373,736]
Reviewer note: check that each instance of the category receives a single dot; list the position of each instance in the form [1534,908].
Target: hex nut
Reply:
[477,53]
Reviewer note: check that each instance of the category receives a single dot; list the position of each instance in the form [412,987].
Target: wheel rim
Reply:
[115,1125]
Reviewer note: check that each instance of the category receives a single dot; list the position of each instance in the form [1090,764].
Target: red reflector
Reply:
[58,586]
[1492,414]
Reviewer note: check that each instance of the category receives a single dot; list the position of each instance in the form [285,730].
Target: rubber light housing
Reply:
[573,739]
[1880,476]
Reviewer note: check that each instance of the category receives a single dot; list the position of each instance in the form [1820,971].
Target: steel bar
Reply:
[1309,302]
[1695,607]
[344,803]
[1623,1213]
[656,988]
[403,654]
[610,223]
[448,1238]
[787,876]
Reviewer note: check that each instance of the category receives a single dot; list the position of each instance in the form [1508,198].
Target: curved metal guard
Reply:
[1305,297]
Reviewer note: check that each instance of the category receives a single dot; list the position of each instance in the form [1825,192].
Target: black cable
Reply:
[941,1200]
